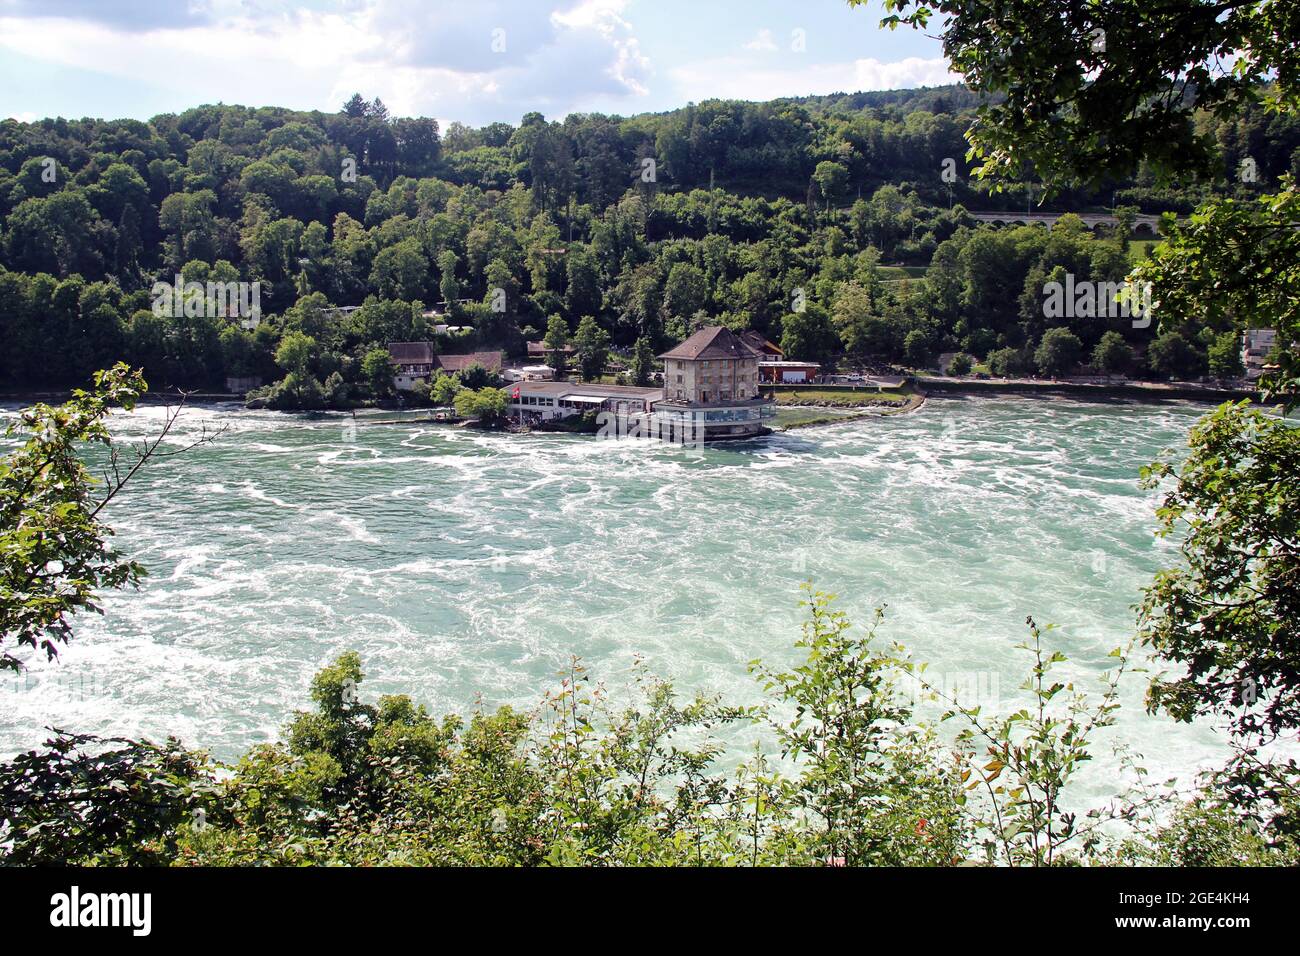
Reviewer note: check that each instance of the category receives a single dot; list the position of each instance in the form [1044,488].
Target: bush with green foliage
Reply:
[1007,362]
[1172,356]
[443,389]
[1224,356]
[1112,356]
[55,549]
[377,371]
[1226,619]
[1058,352]
[486,405]
[88,801]
[960,365]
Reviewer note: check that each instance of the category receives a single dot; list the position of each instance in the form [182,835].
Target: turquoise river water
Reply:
[469,567]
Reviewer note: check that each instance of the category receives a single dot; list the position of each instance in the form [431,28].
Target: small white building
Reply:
[788,373]
[529,373]
[541,401]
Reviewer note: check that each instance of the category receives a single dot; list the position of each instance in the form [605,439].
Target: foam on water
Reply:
[462,564]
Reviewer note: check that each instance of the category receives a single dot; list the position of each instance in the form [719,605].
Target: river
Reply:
[468,567]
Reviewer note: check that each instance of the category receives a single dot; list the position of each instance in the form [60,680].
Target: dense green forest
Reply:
[791,217]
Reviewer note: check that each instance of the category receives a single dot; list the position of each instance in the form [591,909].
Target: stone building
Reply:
[711,384]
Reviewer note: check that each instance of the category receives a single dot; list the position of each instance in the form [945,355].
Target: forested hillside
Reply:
[790,217]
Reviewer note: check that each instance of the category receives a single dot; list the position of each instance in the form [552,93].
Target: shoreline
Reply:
[882,410]
[1153,393]
[1145,393]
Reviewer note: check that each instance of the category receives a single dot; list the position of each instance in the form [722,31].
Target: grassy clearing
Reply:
[803,417]
[839,397]
[1139,249]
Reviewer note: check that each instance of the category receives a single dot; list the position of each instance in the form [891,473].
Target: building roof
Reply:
[458,363]
[424,353]
[411,353]
[539,348]
[714,342]
[757,341]
[590,389]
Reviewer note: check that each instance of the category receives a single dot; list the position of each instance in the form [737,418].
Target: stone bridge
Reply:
[1142,225]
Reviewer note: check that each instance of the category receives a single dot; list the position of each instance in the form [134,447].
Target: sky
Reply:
[476,61]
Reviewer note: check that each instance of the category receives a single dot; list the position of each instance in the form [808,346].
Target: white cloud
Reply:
[912,71]
[762,41]
[288,60]
[603,18]
[592,13]
[426,57]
